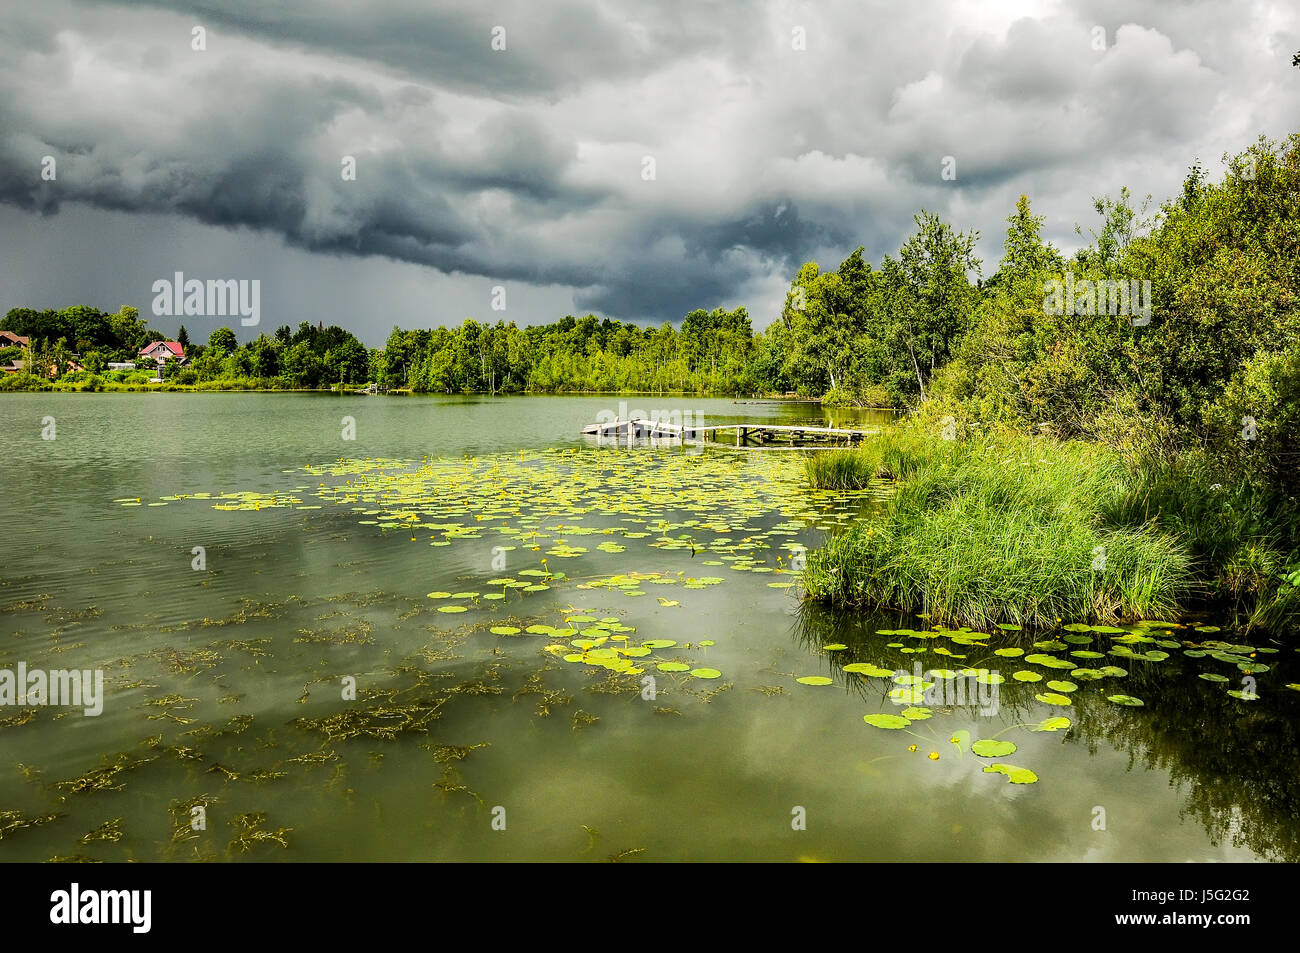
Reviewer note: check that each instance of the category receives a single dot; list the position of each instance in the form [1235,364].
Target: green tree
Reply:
[223,341]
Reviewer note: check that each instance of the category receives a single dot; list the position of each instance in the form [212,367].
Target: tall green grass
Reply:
[1008,529]
[839,470]
[1239,533]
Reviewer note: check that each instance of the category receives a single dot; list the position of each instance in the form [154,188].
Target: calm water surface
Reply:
[219,681]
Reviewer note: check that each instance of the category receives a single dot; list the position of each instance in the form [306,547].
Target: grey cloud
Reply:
[550,47]
[524,166]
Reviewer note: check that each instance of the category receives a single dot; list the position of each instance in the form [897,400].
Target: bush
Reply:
[869,395]
[21,381]
[1255,425]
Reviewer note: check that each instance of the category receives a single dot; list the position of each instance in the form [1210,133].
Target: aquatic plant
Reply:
[106,777]
[110,830]
[250,831]
[384,722]
[11,821]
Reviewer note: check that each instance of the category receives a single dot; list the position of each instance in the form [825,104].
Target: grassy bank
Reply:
[118,382]
[1026,530]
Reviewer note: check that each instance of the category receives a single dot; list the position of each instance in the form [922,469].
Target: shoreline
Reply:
[165,388]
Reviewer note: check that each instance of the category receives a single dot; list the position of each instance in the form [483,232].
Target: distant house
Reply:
[9,339]
[70,366]
[164,351]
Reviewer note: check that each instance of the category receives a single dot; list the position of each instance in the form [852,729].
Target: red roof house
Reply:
[9,339]
[163,351]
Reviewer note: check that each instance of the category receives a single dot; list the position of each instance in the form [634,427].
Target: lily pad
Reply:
[990,748]
[1055,723]
[1014,775]
[1053,698]
[866,668]
[1048,661]
[892,722]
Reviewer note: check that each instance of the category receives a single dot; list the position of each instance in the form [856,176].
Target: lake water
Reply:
[387,560]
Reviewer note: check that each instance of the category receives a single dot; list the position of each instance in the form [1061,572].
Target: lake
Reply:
[296,634]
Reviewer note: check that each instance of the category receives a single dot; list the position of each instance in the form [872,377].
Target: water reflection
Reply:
[1235,764]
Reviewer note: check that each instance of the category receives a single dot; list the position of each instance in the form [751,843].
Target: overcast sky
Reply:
[526,167]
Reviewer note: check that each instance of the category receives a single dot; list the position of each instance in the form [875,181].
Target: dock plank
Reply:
[744,433]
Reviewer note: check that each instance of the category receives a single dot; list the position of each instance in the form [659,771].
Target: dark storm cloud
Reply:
[706,265]
[525,166]
[555,45]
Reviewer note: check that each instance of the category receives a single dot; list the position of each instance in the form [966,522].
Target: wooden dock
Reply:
[749,435]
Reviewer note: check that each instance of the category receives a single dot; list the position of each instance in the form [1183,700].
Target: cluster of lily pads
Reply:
[606,643]
[1073,652]
[538,581]
[542,499]
[545,506]
[550,507]
[1079,663]
[242,500]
